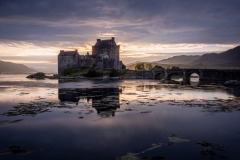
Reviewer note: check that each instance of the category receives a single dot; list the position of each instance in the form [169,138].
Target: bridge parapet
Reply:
[206,76]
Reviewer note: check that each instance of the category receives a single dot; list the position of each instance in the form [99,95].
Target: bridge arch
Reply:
[190,74]
[174,74]
[159,74]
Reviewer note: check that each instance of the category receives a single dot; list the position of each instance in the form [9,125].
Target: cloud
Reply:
[160,20]
[34,28]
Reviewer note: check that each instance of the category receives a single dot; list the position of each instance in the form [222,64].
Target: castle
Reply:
[105,55]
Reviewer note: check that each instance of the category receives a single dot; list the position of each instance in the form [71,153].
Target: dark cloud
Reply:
[45,9]
[155,21]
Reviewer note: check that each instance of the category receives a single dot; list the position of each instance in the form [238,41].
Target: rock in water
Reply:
[39,75]
[232,83]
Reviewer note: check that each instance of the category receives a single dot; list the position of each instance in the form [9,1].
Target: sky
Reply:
[32,32]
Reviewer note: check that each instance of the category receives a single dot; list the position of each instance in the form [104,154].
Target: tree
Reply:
[157,67]
[123,66]
[175,68]
[139,67]
[68,71]
[114,73]
[148,66]
[92,73]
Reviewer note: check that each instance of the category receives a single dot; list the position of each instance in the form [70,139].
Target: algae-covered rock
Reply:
[212,151]
[158,158]
[14,150]
[129,156]
[175,139]
[31,108]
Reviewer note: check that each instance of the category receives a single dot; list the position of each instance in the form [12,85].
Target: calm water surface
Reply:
[44,119]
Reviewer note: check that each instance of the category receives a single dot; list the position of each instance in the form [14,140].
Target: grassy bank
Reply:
[92,72]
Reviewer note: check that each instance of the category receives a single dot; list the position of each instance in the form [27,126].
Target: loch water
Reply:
[103,119]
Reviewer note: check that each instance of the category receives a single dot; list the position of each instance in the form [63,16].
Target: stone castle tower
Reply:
[105,55]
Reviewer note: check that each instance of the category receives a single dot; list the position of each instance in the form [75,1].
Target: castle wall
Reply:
[86,61]
[65,62]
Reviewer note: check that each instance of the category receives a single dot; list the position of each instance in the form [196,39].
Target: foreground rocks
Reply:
[232,83]
[14,150]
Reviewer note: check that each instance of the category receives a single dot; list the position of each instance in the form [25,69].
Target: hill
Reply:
[183,59]
[224,60]
[229,58]
[9,67]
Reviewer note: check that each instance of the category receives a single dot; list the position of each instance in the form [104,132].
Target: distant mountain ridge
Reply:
[224,60]
[229,58]
[182,59]
[9,67]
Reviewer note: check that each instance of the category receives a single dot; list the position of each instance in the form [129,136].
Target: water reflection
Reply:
[104,100]
[154,121]
[234,92]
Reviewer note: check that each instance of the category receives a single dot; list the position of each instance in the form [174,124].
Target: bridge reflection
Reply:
[104,100]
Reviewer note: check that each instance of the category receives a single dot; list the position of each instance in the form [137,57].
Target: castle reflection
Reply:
[104,100]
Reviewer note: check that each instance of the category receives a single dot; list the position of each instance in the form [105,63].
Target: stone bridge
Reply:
[206,76]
